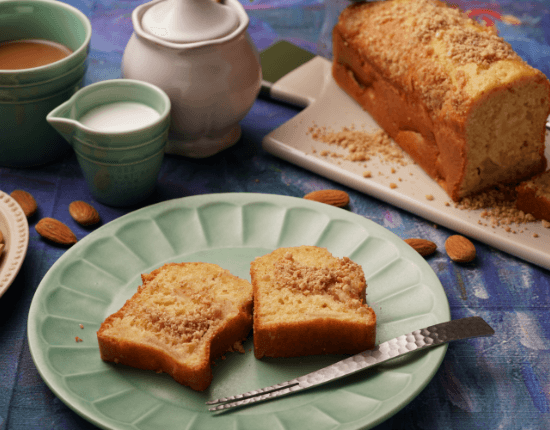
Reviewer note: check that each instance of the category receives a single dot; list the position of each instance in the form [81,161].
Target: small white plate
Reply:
[15,229]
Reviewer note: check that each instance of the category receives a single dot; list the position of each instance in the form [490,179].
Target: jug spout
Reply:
[62,119]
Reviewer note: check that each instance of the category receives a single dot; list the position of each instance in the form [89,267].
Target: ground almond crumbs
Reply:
[360,145]
[498,208]
[497,205]
[190,327]
[307,280]
[417,43]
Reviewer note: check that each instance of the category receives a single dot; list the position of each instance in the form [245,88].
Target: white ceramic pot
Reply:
[212,84]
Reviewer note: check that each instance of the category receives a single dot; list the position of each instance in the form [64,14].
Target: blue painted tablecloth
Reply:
[505,386]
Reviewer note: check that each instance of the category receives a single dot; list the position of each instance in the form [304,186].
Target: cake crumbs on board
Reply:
[360,145]
[497,205]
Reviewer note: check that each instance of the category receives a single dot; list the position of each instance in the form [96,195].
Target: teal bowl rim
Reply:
[25,101]
[101,163]
[40,83]
[164,116]
[83,47]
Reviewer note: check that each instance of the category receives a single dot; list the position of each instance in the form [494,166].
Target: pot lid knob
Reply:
[188,21]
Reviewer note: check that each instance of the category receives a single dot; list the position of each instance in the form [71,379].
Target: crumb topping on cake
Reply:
[182,328]
[310,280]
[483,48]
[437,40]
[181,308]
[179,311]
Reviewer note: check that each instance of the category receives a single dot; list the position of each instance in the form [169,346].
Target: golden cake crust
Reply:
[440,85]
[184,346]
[308,302]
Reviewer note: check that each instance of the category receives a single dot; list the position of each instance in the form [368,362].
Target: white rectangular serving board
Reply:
[312,86]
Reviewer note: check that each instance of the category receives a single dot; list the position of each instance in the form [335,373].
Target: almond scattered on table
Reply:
[336,198]
[56,231]
[83,213]
[423,246]
[26,201]
[460,249]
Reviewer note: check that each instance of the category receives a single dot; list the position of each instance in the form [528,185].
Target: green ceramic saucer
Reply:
[95,277]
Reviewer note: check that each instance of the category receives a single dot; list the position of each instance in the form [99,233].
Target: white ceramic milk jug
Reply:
[199,53]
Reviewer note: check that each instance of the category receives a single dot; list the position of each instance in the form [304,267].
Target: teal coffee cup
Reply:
[118,129]
[28,94]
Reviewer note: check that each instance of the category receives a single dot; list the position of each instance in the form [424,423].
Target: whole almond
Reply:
[2,248]
[83,213]
[55,231]
[423,246]
[1,237]
[460,249]
[336,198]
[26,201]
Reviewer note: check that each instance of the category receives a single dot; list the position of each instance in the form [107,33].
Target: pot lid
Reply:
[187,21]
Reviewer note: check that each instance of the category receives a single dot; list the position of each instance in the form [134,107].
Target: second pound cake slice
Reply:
[308,302]
[181,318]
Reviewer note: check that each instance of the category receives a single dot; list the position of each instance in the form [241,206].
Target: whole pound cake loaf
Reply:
[308,302]
[449,91]
[534,196]
[183,316]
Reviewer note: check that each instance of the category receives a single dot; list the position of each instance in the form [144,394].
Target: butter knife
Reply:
[428,337]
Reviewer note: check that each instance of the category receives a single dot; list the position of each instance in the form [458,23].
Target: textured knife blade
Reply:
[438,334]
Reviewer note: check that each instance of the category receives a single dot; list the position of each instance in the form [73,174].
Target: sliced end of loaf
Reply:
[505,135]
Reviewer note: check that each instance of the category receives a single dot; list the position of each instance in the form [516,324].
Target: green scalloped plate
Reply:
[95,277]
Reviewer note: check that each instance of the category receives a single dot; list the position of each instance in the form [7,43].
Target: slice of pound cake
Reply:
[181,318]
[308,302]
[534,196]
